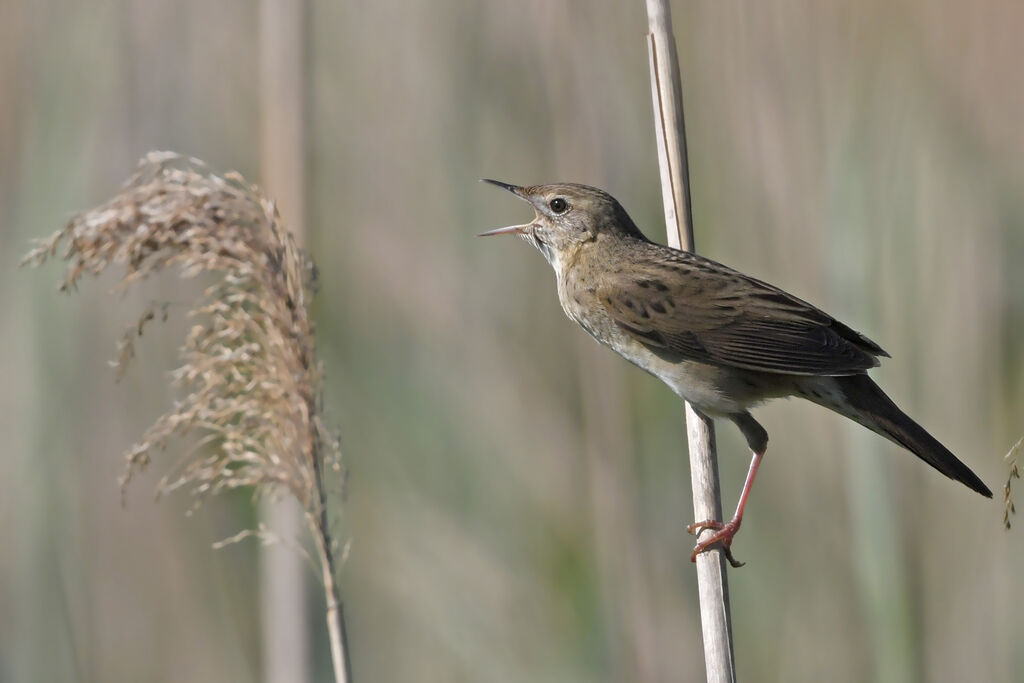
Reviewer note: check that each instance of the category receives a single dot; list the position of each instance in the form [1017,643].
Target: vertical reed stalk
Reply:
[666,90]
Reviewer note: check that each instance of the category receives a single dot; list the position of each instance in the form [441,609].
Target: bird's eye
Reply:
[559,205]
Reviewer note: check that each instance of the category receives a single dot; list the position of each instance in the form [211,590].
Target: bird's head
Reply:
[568,216]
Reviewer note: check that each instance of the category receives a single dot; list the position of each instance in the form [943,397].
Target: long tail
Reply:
[860,399]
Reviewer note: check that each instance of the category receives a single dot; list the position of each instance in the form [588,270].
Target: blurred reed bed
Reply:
[519,517]
[249,372]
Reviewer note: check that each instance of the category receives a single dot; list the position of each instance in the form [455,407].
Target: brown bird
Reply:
[722,340]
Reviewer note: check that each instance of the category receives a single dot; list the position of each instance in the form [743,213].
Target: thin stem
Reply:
[666,90]
[335,608]
[320,527]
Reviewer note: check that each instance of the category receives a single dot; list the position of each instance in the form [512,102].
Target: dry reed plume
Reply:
[249,369]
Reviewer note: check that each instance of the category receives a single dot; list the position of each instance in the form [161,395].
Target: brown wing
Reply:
[682,304]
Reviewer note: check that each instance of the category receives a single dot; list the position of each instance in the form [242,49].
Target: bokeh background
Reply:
[518,495]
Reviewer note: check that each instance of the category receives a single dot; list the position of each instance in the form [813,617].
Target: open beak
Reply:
[512,229]
[514,189]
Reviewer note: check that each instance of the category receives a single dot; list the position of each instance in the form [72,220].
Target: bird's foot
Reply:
[722,538]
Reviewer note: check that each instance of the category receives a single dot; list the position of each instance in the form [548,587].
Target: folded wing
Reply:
[683,305]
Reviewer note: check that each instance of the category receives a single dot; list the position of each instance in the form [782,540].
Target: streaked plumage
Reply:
[722,340]
[701,310]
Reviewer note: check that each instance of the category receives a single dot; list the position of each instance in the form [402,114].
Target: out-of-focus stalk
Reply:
[284,620]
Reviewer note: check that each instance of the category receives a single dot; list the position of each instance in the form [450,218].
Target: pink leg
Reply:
[724,532]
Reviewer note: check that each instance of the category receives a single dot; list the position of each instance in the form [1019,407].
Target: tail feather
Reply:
[864,402]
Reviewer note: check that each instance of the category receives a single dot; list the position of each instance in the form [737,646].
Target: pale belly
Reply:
[714,390]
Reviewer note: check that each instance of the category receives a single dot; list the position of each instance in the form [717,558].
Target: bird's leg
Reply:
[724,532]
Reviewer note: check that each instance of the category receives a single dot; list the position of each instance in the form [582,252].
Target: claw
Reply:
[722,537]
[736,564]
[697,527]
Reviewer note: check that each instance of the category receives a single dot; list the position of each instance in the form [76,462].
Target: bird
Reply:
[723,341]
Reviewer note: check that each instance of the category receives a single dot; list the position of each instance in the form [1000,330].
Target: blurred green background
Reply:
[518,495]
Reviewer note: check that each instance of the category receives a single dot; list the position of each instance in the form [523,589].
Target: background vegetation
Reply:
[518,495]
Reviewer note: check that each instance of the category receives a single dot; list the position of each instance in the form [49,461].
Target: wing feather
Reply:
[683,305]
